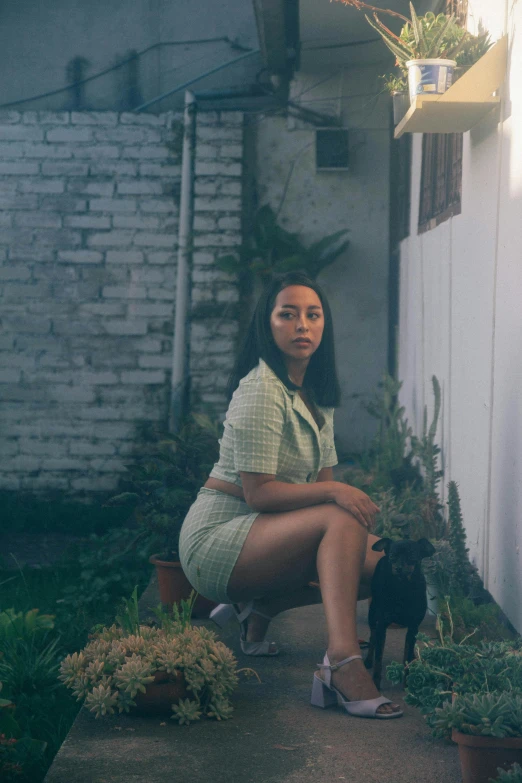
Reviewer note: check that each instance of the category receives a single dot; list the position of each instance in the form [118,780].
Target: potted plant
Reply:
[428,48]
[174,666]
[444,669]
[488,730]
[397,87]
[162,487]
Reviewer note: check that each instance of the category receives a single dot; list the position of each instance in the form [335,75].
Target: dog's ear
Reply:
[426,549]
[382,545]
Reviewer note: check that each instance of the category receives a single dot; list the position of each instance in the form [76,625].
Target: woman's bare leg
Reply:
[283,552]
[273,604]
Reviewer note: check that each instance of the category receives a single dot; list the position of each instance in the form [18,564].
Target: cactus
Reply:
[457,539]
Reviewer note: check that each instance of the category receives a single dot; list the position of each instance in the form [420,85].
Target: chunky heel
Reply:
[322,696]
[222,614]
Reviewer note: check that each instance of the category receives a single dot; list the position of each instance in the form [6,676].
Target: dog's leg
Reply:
[380,640]
[409,648]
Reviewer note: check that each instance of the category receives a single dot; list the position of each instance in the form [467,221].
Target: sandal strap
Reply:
[248,610]
[334,666]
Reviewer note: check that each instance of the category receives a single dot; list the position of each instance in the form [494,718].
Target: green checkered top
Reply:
[269,429]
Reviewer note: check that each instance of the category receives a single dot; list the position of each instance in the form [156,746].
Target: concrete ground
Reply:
[274,736]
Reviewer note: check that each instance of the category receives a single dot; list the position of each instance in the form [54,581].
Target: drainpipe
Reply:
[179,382]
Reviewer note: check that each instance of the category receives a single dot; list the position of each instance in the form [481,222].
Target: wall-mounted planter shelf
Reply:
[465,103]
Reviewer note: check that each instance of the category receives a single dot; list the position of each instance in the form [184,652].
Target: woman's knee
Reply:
[342,519]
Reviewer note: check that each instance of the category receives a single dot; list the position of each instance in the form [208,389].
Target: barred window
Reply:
[441,177]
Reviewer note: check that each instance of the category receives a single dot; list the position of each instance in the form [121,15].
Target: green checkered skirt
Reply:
[212,536]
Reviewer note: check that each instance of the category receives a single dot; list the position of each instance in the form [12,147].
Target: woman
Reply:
[271,518]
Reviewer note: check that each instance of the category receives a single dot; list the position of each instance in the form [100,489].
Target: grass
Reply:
[79,593]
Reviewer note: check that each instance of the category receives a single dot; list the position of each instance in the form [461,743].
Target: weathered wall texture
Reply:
[87,284]
[461,320]
[39,42]
[217,231]
[316,203]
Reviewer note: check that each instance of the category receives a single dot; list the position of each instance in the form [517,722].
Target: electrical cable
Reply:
[234,44]
[341,45]
[195,79]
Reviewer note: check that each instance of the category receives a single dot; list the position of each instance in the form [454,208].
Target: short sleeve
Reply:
[328,451]
[257,417]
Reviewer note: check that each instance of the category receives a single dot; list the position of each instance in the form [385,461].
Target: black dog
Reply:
[398,596]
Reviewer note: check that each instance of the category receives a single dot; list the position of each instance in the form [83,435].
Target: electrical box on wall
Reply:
[331,149]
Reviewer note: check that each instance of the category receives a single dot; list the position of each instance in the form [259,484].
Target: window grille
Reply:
[441,178]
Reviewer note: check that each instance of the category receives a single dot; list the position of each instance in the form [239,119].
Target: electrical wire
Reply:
[341,45]
[234,44]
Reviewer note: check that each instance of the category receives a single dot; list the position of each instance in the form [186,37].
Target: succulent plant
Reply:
[511,775]
[449,669]
[493,714]
[117,665]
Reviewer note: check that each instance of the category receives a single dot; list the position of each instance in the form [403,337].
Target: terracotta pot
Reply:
[480,757]
[161,694]
[174,586]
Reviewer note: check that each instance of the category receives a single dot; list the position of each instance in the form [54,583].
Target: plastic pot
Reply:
[480,757]
[175,587]
[161,694]
[401,104]
[429,77]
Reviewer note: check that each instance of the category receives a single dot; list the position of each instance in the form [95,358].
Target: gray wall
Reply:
[320,203]
[39,39]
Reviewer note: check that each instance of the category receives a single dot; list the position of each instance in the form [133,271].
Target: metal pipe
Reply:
[195,79]
[179,381]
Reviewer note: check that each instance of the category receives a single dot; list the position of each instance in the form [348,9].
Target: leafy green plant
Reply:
[446,668]
[271,249]
[107,567]
[394,83]
[17,625]
[461,618]
[440,569]
[116,666]
[405,464]
[492,714]
[511,775]
[19,755]
[165,482]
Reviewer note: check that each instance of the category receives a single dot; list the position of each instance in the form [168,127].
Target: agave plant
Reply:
[426,37]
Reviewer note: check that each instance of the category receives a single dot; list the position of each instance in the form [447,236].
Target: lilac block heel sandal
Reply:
[324,694]
[223,613]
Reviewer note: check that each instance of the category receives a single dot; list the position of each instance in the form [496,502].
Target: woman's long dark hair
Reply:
[321,376]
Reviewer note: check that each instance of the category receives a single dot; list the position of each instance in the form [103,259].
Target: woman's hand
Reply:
[357,503]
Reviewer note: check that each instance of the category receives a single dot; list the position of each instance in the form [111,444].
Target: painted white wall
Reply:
[37,40]
[461,320]
[320,203]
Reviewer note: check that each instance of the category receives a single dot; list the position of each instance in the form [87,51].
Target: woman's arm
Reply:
[325,474]
[263,493]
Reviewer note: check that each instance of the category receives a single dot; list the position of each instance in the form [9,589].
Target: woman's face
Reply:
[297,322]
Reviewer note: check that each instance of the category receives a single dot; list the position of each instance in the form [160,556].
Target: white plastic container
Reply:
[429,77]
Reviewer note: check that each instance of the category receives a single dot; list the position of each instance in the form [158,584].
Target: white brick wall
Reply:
[88,233]
[217,231]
